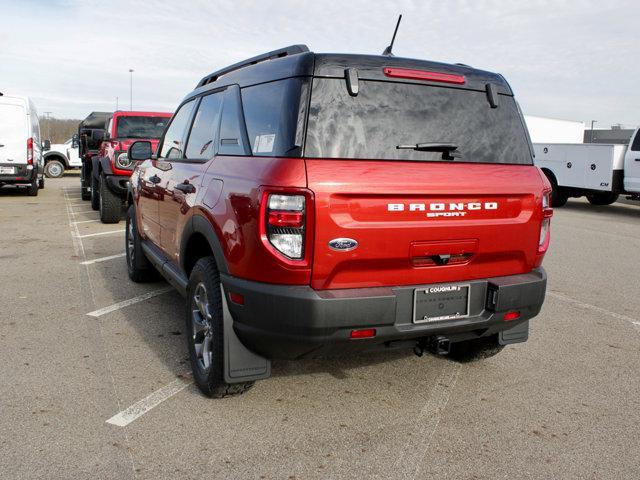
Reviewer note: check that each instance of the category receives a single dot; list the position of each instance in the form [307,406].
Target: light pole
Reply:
[591,136]
[47,115]
[116,104]
[131,89]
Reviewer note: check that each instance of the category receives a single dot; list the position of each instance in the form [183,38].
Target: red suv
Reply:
[311,203]
[111,167]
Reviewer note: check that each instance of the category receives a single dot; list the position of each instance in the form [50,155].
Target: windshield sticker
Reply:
[264,143]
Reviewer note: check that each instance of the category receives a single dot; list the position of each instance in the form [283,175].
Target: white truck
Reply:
[61,156]
[600,172]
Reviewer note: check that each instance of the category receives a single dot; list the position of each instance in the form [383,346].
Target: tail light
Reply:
[547,213]
[30,151]
[285,224]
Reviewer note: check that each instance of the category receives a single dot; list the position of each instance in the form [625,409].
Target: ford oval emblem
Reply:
[343,244]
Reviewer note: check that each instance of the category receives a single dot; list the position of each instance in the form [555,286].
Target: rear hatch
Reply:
[13,134]
[465,206]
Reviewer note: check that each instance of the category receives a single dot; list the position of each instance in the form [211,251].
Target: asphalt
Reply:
[564,405]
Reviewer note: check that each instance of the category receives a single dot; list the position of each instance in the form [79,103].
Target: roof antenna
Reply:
[387,51]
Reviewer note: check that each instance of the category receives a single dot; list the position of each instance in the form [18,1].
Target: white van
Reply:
[21,161]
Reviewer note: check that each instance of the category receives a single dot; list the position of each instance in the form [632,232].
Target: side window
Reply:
[232,136]
[271,114]
[173,142]
[636,142]
[201,143]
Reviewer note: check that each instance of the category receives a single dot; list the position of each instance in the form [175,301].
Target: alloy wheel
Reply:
[131,250]
[201,327]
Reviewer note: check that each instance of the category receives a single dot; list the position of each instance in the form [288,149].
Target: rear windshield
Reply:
[141,127]
[386,114]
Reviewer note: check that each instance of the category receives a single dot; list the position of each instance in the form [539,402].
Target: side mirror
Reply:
[75,141]
[107,135]
[97,134]
[46,146]
[140,151]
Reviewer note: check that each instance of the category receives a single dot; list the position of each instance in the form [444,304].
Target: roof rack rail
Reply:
[281,52]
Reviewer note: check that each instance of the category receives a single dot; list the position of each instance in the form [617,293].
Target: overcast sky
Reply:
[575,60]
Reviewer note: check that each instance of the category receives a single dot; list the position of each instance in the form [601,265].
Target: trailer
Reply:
[599,172]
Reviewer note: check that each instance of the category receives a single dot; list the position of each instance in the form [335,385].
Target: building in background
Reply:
[552,130]
[616,135]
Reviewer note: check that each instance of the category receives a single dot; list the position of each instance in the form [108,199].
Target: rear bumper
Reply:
[21,175]
[279,321]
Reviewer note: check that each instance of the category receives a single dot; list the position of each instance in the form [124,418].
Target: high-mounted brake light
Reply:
[30,151]
[286,224]
[424,75]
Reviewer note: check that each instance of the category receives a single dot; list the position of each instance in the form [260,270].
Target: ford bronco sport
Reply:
[309,203]
[110,166]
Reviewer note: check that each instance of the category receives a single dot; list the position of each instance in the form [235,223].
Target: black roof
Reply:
[297,60]
[95,120]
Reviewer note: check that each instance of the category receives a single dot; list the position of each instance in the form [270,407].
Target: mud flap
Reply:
[517,334]
[241,364]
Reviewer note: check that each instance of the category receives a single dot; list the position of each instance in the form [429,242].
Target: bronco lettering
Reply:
[443,207]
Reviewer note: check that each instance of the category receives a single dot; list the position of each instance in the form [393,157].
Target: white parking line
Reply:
[410,460]
[110,232]
[126,303]
[593,308]
[138,409]
[85,221]
[102,259]
[83,211]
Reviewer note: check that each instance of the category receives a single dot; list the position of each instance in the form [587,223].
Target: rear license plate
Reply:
[442,302]
[7,170]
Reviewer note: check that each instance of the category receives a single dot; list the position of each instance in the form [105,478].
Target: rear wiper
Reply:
[448,149]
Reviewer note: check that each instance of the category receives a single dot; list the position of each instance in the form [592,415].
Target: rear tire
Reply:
[32,191]
[139,267]
[205,331]
[474,350]
[110,203]
[558,196]
[604,198]
[54,169]
[85,176]
[95,193]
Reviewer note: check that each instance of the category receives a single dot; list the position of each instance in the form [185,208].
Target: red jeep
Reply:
[310,203]
[111,167]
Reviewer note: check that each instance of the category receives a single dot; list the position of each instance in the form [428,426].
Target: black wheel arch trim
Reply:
[199,224]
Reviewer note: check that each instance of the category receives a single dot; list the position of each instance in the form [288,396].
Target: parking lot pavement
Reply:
[564,405]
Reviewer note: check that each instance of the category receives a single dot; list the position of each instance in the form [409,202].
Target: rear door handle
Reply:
[186,187]
[155,179]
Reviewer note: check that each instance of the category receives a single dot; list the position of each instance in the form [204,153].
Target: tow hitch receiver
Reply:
[438,345]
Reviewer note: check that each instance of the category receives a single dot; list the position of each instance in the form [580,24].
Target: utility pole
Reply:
[131,89]
[591,136]
[47,115]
